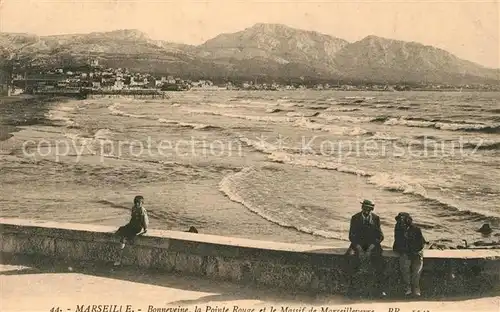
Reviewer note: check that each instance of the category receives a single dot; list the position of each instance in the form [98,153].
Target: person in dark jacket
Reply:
[138,225]
[366,236]
[409,244]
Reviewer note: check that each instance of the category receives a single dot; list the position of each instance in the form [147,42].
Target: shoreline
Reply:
[46,105]
[23,110]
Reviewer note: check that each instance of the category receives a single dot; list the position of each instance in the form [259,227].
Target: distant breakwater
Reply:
[85,93]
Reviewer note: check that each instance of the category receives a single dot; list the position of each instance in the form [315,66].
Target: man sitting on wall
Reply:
[409,244]
[366,236]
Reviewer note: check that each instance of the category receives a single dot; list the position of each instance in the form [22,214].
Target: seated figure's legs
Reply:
[417,264]
[378,266]
[404,267]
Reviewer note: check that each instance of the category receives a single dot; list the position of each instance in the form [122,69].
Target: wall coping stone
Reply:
[6,223]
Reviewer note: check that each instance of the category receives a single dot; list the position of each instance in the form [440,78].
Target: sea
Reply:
[284,166]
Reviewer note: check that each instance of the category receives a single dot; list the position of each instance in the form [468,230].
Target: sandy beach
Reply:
[276,166]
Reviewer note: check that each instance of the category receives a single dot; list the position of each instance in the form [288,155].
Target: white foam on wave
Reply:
[103,134]
[306,123]
[287,104]
[240,105]
[222,105]
[384,136]
[195,126]
[301,122]
[354,97]
[384,106]
[302,114]
[261,146]
[396,182]
[399,182]
[113,108]
[309,161]
[89,145]
[350,119]
[438,125]
[342,109]
[392,182]
[457,126]
[231,185]
[276,119]
[61,112]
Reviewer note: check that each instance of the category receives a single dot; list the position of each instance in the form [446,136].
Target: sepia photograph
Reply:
[249,156]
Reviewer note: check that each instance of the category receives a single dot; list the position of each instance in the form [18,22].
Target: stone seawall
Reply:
[288,266]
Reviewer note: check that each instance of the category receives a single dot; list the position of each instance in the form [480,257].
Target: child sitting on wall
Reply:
[138,225]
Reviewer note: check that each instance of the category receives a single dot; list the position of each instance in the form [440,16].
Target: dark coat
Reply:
[365,235]
[412,244]
[138,221]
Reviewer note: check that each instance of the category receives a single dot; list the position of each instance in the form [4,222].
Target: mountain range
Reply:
[272,51]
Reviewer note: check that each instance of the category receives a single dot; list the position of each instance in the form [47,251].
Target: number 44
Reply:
[54,309]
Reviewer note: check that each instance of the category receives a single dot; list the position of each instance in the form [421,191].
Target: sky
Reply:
[468,29]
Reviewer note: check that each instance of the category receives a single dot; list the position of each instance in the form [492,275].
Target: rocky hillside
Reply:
[263,50]
[395,61]
[275,43]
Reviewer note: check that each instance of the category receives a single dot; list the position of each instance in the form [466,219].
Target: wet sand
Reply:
[23,110]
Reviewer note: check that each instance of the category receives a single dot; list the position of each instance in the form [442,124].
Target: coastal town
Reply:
[96,78]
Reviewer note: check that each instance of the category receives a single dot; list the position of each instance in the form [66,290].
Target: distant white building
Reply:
[16,91]
[170,80]
[119,84]
[203,84]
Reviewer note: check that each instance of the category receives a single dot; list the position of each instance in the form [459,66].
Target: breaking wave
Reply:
[342,109]
[113,108]
[196,126]
[60,113]
[233,186]
[301,122]
[444,125]
[389,182]
[230,187]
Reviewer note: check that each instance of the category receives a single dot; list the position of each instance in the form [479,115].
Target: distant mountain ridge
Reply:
[396,60]
[262,50]
[276,42]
